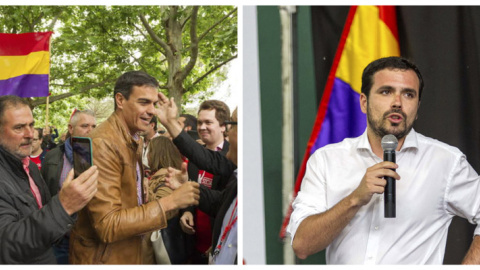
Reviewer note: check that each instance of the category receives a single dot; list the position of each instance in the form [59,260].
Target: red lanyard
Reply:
[229,226]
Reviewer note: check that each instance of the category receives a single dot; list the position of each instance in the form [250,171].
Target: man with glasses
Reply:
[211,128]
[222,205]
[59,161]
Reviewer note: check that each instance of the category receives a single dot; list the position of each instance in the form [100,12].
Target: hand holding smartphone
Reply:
[82,154]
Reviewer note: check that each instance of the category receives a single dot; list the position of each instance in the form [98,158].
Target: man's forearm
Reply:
[173,127]
[316,232]
[473,254]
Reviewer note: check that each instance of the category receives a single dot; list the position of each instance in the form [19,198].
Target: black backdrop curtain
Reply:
[445,44]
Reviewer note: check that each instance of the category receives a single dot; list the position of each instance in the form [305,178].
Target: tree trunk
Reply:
[174,41]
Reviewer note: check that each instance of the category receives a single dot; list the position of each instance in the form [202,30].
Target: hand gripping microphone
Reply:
[389,144]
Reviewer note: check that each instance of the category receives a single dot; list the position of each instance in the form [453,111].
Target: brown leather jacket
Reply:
[113,228]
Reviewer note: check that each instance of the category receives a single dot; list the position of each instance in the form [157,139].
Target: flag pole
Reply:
[46,110]
[288,174]
[48,96]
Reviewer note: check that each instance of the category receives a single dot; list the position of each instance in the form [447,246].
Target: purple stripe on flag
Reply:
[344,117]
[28,85]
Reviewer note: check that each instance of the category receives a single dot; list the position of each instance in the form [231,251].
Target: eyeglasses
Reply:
[232,123]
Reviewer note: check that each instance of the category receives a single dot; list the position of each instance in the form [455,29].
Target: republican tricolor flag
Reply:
[25,64]
[370,32]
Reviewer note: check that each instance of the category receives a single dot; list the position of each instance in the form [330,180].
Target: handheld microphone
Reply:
[389,144]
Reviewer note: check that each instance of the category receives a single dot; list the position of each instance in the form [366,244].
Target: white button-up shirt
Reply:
[436,184]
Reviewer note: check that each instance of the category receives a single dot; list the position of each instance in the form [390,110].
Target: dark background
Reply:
[444,42]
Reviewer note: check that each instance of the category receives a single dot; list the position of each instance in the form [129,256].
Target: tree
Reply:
[184,47]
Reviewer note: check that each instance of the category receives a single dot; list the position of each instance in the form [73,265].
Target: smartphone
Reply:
[82,154]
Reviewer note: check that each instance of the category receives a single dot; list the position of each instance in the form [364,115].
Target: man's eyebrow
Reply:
[385,87]
[409,90]
[144,100]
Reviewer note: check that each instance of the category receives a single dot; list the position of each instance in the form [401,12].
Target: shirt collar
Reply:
[25,163]
[410,141]
[220,146]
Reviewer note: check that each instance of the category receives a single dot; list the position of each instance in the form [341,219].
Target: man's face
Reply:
[150,132]
[209,129]
[393,102]
[17,131]
[139,109]
[36,142]
[84,125]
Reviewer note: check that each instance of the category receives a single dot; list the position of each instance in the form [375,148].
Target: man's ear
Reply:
[119,99]
[363,103]
[70,129]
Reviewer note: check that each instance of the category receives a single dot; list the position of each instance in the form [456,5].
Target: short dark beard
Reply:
[379,128]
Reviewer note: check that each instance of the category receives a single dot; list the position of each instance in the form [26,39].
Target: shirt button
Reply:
[376,227]
[229,245]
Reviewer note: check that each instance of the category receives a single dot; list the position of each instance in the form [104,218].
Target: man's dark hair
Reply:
[40,133]
[10,101]
[154,121]
[128,80]
[222,112]
[391,63]
[190,121]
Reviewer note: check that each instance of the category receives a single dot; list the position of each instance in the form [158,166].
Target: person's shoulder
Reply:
[59,150]
[428,142]
[345,144]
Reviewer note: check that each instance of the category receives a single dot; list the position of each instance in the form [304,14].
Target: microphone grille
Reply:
[389,142]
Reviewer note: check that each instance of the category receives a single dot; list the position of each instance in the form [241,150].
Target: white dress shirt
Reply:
[436,184]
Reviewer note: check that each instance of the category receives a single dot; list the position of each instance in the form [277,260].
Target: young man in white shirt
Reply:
[340,204]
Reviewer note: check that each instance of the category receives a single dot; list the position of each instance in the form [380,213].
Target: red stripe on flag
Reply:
[389,16]
[322,112]
[23,44]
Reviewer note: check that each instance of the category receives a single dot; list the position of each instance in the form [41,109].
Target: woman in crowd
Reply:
[162,153]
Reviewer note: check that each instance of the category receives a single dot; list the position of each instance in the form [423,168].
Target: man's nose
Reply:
[28,132]
[151,109]
[397,101]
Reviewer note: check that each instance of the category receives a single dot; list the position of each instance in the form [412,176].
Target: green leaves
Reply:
[93,45]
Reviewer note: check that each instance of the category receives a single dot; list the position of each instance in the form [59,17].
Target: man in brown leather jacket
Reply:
[113,227]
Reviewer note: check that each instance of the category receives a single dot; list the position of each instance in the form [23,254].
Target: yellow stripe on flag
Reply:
[33,63]
[369,39]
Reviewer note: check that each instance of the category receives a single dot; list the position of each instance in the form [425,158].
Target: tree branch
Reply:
[155,38]
[52,24]
[146,38]
[27,21]
[36,20]
[210,71]
[52,99]
[194,44]
[216,24]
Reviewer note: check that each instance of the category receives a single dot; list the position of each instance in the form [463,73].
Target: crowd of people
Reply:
[177,179]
